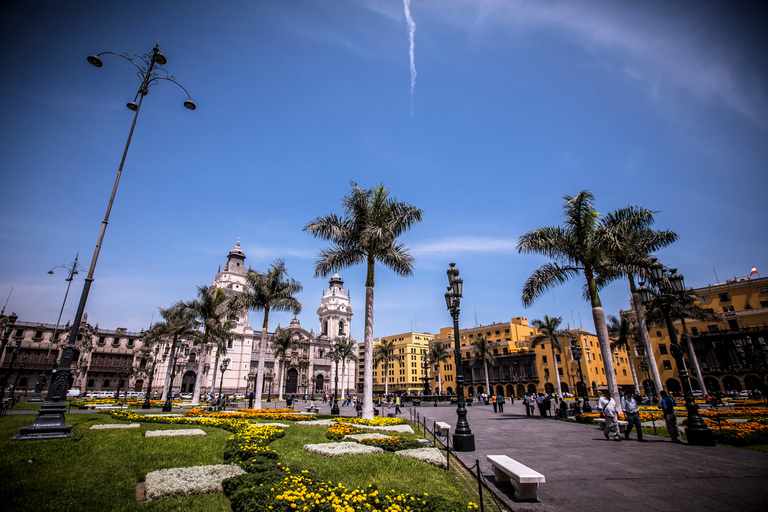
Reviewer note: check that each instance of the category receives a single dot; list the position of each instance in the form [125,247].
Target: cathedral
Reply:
[110,358]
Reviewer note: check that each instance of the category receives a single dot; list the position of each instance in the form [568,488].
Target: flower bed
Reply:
[188,432]
[254,414]
[391,444]
[338,431]
[376,422]
[753,431]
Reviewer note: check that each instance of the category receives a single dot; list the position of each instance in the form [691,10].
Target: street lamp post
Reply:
[49,423]
[72,268]
[123,372]
[335,407]
[146,404]
[222,368]
[18,374]
[172,365]
[665,282]
[463,438]
[6,334]
[577,353]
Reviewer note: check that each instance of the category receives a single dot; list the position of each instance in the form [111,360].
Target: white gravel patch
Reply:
[171,414]
[341,449]
[316,423]
[429,455]
[184,481]
[279,425]
[367,436]
[400,429]
[105,426]
[189,432]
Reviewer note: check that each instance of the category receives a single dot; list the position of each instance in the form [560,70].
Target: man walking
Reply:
[500,402]
[610,413]
[493,400]
[668,408]
[629,404]
[397,404]
[527,403]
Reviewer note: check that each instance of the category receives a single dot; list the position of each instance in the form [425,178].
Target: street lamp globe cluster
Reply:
[664,283]
[463,438]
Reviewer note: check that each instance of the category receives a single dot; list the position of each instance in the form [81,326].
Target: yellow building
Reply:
[406,369]
[522,366]
[732,352]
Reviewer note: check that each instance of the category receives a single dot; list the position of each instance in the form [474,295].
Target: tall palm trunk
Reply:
[282,379]
[343,364]
[692,359]
[439,379]
[601,328]
[558,390]
[644,335]
[487,382]
[368,352]
[215,367]
[262,355]
[171,362]
[632,368]
[204,349]
[386,377]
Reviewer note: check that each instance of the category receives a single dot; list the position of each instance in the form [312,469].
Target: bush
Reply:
[392,444]
[581,418]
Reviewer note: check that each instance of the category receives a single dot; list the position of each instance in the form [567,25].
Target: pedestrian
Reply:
[563,409]
[500,402]
[610,413]
[495,405]
[577,406]
[540,404]
[251,397]
[397,404]
[629,404]
[527,403]
[668,408]
[547,405]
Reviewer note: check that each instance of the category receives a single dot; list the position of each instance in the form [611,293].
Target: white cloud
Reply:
[474,244]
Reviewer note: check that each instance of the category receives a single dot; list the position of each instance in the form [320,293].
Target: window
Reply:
[498,332]
[724,297]
[658,334]
[102,340]
[506,350]
[703,298]
[667,364]
[106,383]
[762,289]
[130,343]
[19,333]
[557,356]
[544,359]
[663,349]
[764,303]
[229,343]
[694,331]
[38,334]
[728,309]
[191,358]
[625,372]
[713,328]
[560,371]
[495,351]
[542,345]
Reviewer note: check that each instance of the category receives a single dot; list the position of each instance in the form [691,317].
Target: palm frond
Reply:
[544,278]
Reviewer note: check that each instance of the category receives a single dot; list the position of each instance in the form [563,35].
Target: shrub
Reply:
[391,444]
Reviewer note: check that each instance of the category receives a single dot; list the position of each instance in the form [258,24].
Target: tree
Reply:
[684,305]
[638,242]
[384,352]
[282,343]
[483,353]
[583,245]
[269,291]
[366,234]
[178,324]
[346,350]
[548,331]
[212,309]
[437,354]
[622,332]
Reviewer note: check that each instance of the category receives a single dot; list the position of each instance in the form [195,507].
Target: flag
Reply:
[753,271]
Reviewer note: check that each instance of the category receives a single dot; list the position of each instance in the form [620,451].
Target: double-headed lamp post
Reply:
[663,283]
[72,268]
[335,407]
[577,354]
[463,438]
[222,368]
[146,404]
[49,423]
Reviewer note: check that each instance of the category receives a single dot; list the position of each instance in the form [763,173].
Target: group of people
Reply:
[609,409]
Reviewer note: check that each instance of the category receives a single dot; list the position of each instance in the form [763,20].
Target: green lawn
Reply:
[100,471]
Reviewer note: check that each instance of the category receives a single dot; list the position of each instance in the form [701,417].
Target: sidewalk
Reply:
[585,472]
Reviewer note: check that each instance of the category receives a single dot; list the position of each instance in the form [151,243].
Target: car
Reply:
[239,396]
[186,396]
[697,393]
[744,394]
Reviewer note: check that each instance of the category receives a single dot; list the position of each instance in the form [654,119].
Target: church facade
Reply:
[110,358]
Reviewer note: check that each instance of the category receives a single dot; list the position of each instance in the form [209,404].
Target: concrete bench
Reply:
[601,424]
[443,427]
[525,480]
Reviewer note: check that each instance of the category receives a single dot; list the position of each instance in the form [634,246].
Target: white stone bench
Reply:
[443,427]
[525,480]
[601,424]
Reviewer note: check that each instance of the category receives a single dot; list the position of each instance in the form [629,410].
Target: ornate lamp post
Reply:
[268,379]
[6,334]
[49,423]
[463,438]
[665,282]
[335,407]
[18,374]
[146,404]
[172,365]
[577,353]
[123,371]
[222,368]
[72,268]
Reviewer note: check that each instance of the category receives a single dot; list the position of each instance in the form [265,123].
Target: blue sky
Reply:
[514,105]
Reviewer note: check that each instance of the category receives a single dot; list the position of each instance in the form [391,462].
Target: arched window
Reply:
[341,328]
[325,327]
[192,357]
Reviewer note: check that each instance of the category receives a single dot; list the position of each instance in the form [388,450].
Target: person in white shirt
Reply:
[629,404]
[611,415]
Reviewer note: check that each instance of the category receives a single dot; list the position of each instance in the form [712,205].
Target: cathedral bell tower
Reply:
[335,311]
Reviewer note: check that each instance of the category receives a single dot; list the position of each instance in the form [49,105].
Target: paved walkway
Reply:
[585,472]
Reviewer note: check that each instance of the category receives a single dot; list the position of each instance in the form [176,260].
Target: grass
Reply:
[23,405]
[100,472]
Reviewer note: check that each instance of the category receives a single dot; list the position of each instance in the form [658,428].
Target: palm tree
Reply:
[367,234]
[585,245]
[212,309]
[437,354]
[639,241]
[684,305]
[623,334]
[221,335]
[178,324]
[269,291]
[548,331]
[384,352]
[346,349]
[282,343]
[483,353]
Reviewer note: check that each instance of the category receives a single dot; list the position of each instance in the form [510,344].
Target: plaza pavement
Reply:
[586,472]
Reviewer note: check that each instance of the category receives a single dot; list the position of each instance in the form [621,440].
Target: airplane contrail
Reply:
[411,31]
